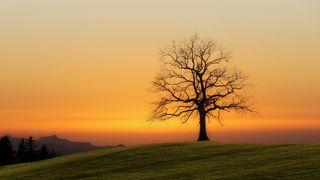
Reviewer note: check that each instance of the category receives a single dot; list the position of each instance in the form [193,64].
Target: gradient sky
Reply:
[81,69]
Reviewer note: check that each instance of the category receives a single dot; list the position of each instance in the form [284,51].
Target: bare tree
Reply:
[195,82]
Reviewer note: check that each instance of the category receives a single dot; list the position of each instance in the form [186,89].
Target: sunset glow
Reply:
[82,69]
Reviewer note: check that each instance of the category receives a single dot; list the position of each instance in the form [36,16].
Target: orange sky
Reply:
[81,69]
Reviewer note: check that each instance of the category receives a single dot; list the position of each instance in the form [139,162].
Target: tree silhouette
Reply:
[27,151]
[195,81]
[31,149]
[21,153]
[53,153]
[44,152]
[6,151]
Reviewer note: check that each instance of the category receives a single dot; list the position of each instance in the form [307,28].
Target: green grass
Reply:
[179,161]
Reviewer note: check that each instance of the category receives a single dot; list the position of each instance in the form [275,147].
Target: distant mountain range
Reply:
[59,145]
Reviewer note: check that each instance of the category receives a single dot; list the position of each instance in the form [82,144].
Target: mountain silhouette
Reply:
[59,145]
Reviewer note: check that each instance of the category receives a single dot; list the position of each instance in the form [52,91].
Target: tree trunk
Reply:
[203,131]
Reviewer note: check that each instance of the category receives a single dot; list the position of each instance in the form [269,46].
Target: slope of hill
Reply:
[59,145]
[178,160]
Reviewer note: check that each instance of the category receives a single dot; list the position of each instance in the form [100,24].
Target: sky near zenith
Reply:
[81,69]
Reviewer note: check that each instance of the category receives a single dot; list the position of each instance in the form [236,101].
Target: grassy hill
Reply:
[178,160]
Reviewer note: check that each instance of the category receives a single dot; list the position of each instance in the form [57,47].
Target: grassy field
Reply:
[179,161]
